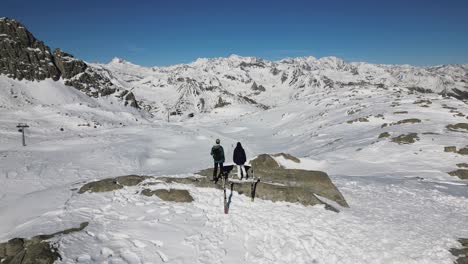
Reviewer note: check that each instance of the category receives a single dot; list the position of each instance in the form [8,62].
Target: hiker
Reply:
[239,158]
[217,152]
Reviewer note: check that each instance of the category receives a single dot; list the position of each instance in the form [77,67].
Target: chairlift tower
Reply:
[21,127]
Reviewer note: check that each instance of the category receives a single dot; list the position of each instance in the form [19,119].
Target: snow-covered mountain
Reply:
[207,84]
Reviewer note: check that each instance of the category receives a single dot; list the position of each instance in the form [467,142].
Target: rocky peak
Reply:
[22,56]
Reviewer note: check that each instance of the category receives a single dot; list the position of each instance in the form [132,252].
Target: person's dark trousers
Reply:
[215,171]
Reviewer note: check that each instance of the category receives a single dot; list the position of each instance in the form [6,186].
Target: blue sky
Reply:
[179,31]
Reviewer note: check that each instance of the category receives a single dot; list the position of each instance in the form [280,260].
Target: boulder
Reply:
[290,185]
[463,151]
[459,127]
[450,149]
[406,138]
[264,162]
[384,135]
[33,251]
[461,253]
[460,173]
[111,184]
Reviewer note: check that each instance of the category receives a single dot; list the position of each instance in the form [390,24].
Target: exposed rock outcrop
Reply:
[280,184]
[35,250]
[112,184]
[68,65]
[460,173]
[461,253]
[22,56]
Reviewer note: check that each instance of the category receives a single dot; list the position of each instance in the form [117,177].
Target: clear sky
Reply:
[420,32]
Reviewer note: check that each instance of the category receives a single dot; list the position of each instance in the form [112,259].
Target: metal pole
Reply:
[24,141]
[22,127]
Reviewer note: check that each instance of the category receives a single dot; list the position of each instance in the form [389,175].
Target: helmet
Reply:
[218,141]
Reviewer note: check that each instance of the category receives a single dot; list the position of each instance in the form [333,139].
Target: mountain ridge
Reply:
[22,56]
[207,84]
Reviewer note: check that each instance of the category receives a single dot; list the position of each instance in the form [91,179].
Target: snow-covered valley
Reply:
[404,206]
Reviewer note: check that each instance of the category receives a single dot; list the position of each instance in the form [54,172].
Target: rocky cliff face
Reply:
[67,64]
[22,56]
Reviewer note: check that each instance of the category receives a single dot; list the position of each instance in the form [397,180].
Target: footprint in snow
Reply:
[165,212]
[138,244]
[163,256]
[83,259]
[130,257]
[106,252]
[157,243]
[102,237]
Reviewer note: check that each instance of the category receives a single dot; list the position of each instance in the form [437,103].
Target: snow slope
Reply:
[405,208]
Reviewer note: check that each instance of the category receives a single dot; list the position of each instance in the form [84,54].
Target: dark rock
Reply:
[68,65]
[284,77]
[423,102]
[420,89]
[460,173]
[459,127]
[35,250]
[111,184]
[252,101]
[22,56]
[450,149]
[407,121]
[221,103]
[361,119]
[406,138]
[384,135]
[461,253]
[463,151]
[264,162]
[257,88]
[459,94]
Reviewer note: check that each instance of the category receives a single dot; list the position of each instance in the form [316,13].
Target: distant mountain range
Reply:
[208,84]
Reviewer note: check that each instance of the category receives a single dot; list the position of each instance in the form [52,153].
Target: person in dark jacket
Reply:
[240,158]
[217,152]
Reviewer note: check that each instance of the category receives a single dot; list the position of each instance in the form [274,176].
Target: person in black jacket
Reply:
[240,158]
[217,152]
